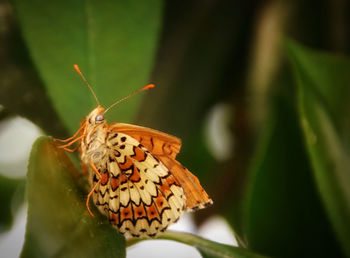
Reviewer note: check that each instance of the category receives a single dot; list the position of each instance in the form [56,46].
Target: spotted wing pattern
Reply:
[196,197]
[156,142]
[165,148]
[138,193]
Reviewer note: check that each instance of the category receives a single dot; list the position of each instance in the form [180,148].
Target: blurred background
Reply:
[257,91]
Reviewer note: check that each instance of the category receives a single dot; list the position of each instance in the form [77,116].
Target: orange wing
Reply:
[165,147]
[156,142]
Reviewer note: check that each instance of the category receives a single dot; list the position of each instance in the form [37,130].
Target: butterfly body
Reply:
[136,181]
[134,177]
[93,144]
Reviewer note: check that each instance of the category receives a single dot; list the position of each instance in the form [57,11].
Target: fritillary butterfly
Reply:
[136,181]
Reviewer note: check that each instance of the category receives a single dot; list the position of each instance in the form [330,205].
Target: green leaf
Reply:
[11,196]
[323,82]
[18,75]
[284,216]
[206,247]
[58,223]
[113,42]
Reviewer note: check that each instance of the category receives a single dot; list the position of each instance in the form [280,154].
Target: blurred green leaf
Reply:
[323,82]
[17,75]
[284,216]
[58,223]
[11,197]
[113,42]
[206,247]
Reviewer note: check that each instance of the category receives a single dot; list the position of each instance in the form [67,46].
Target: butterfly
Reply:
[134,177]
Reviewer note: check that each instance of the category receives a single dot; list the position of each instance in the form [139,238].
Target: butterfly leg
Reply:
[72,150]
[70,138]
[93,189]
[70,143]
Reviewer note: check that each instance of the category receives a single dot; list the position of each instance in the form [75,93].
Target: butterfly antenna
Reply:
[149,86]
[76,67]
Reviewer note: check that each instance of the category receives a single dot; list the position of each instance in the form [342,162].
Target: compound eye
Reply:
[99,118]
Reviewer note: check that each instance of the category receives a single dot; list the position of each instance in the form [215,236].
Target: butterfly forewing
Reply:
[196,197]
[156,142]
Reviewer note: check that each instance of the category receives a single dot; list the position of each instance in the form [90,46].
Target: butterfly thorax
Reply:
[93,145]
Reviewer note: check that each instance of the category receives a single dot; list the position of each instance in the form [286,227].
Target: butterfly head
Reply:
[96,116]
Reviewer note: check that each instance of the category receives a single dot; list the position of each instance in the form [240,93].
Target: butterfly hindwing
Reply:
[143,197]
[165,147]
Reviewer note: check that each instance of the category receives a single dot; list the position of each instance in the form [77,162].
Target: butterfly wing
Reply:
[196,196]
[137,191]
[156,142]
[165,147]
